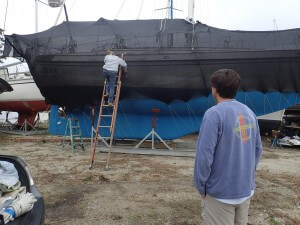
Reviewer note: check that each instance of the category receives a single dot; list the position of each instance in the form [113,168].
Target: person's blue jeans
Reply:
[110,84]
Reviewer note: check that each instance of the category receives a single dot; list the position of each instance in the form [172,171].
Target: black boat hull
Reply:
[76,80]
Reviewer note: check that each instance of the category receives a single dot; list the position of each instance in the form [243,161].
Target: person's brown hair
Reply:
[226,82]
[110,52]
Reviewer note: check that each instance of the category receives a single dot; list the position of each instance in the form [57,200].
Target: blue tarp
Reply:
[179,118]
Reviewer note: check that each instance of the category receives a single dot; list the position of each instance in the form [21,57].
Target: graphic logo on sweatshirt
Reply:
[243,128]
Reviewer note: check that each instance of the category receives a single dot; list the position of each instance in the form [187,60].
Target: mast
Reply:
[169,9]
[36,17]
[191,7]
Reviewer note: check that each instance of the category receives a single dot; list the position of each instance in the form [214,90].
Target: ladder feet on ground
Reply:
[107,167]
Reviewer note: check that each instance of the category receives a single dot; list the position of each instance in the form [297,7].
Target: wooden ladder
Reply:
[112,117]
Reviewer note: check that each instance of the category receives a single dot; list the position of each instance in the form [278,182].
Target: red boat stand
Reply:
[153,132]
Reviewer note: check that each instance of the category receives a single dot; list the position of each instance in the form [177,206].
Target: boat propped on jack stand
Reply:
[24,96]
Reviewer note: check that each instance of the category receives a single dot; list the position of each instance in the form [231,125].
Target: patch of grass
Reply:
[185,211]
[273,221]
[116,217]
[103,178]
[94,177]
[88,178]
[171,212]
[270,155]
[146,216]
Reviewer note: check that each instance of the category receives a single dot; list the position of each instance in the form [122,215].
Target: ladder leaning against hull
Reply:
[113,117]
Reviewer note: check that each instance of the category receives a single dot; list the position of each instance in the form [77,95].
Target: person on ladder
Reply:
[110,70]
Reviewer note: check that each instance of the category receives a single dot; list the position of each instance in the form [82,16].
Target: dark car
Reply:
[36,215]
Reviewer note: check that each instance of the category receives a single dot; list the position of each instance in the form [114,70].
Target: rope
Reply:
[130,127]
[269,103]
[120,9]
[5,15]
[43,2]
[153,9]
[140,9]
[182,12]
[72,6]
[202,75]
[21,205]
[187,106]
[253,108]
[174,119]
[191,110]
[180,118]
[287,101]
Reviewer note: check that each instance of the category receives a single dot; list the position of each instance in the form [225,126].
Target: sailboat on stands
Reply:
[170,62]
[22,96]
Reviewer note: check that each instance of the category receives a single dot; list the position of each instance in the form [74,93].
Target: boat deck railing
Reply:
[97,44]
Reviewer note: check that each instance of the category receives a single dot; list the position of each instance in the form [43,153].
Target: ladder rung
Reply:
[107,95]
[75,127]
[106,115]
[104,126]
[105,137]
[108,105]
[76,135]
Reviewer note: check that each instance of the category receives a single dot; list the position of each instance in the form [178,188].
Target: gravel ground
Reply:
[147,189]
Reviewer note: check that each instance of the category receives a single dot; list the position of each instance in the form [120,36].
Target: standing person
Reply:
[110,70]
[228,150]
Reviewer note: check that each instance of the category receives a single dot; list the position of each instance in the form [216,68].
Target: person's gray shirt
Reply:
[112,62]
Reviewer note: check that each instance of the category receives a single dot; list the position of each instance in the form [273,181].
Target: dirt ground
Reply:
[147,189]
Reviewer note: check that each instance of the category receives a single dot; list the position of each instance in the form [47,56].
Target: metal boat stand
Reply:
[153,132]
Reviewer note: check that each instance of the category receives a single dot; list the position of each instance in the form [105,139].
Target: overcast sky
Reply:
[227,14]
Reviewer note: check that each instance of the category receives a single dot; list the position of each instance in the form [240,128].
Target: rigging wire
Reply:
[43,2]
[153,9]
[199,6]
[182,11]
[208,14]
[72,6]
[167,10]
[5,15]
[140,9]
[120,9]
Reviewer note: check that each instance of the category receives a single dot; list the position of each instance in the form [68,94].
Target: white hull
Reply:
[25,97]
[23,90]
[276,116]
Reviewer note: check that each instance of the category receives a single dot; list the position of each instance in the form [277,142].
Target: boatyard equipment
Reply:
[112,114]
[153,132]
[73,130]
[275,143]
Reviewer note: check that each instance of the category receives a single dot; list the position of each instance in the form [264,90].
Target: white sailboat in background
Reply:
[25,99]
